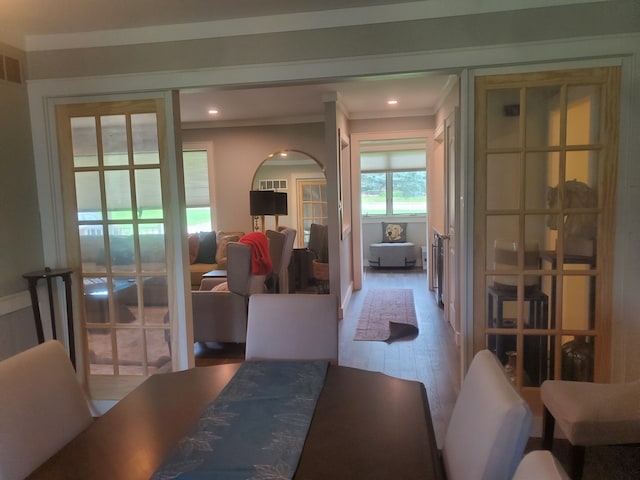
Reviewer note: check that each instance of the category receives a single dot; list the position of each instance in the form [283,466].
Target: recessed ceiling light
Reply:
[392,102]
[213,111]
[283,154]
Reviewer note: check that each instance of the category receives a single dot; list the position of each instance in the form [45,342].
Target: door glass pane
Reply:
[114,140]
[84,141]
[92,248]
[118,194]
[503,118]
[158,353]
[501,230]
[582,166]
[537,362]
[149,194]
[583,114]
[130,346]
[578,358]
[122,253]
[542,169]
[503,181]
[100,351]
[144,136]
[578,305]
[152,248]
[543,116]
[88,196]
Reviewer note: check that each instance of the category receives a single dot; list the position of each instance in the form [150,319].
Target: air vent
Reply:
[277,185]
[10,69]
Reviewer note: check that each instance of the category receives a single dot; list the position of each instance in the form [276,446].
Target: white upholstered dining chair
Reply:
[489,425]
[42,407]
[292,327]
[590,414]
[540,465]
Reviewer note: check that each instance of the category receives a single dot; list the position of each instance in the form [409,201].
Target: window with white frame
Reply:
[196,190]
[393,179]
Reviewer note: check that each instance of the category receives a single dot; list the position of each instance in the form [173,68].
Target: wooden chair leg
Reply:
[577,461]
[548,426]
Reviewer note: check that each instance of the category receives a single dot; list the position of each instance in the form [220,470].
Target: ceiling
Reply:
[417,94]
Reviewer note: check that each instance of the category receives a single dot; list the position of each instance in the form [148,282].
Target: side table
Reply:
[48,274]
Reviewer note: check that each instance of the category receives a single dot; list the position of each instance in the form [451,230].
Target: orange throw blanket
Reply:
[260,257]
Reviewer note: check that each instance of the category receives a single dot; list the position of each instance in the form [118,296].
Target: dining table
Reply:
[365,425]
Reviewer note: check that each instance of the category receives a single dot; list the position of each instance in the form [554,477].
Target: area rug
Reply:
[387,314]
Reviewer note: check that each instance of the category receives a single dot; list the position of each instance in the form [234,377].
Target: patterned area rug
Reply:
[387,314]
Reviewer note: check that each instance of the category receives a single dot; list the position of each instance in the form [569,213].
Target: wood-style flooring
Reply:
[431,358]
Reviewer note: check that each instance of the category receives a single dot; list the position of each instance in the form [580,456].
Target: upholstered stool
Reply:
[590,414]
[402,254]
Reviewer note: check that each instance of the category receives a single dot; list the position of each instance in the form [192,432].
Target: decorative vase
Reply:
[510,367]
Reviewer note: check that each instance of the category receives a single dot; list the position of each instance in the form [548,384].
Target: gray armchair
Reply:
[220,314]
[281,249]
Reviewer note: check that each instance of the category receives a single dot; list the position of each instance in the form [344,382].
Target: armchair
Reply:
[220,314]
[280,249]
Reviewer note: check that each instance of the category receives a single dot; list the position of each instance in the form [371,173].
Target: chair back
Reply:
[287,251]
[42,408]
[292,327]
[281,248]
[317,237]
[240,280]
[489,425]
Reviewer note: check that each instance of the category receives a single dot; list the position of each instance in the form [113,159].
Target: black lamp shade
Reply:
[267,202]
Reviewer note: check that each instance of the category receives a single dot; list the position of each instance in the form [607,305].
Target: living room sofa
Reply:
[207,251]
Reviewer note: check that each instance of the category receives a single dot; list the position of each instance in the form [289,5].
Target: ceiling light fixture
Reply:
[213,111]
[392,102]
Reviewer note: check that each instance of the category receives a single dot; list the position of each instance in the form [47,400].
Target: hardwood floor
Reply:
[431,358]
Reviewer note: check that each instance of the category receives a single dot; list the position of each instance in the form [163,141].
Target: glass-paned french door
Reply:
[545,166]
[113,171]
[312,201]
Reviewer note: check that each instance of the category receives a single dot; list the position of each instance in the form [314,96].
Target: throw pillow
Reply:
[222,240]
[194,244]
[207,248]
[394,232]
[221,287]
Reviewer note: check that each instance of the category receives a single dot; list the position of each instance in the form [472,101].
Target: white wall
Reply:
[237,154]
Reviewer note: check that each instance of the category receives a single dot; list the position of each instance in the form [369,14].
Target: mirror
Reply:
[304,181]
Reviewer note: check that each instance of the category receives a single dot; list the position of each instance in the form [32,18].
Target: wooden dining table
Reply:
[365,425]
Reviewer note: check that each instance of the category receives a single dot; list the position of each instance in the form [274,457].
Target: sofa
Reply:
[208,251]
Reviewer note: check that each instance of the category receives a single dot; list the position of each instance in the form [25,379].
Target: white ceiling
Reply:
[417,94]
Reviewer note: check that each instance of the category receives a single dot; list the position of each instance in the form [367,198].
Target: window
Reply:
[196,190]
[393,182]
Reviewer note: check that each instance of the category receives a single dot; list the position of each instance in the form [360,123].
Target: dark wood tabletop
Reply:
[366,425]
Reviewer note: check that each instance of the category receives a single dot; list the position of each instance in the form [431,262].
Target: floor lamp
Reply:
[267,202]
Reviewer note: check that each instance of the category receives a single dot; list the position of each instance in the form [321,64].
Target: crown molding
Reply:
[416,10]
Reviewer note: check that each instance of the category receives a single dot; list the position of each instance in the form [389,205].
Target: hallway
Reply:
[431,358]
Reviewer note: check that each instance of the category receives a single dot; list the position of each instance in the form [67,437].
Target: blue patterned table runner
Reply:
[255,429]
